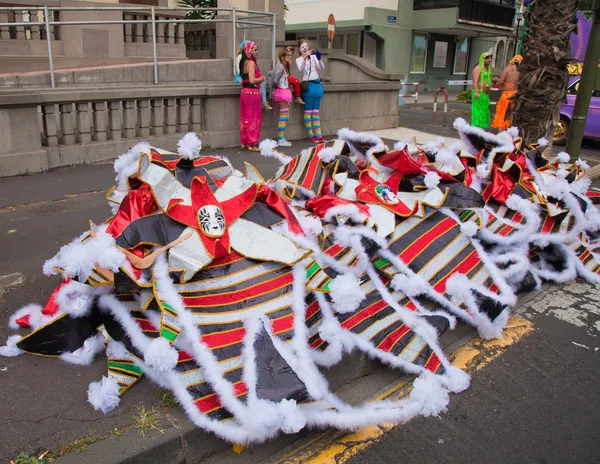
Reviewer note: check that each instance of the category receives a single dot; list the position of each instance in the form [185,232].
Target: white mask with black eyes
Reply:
[212,221]
[304,47]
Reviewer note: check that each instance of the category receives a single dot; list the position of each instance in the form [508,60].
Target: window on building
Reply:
[418,54]
[461,55]
[352,44]
[338,42]
[323,42]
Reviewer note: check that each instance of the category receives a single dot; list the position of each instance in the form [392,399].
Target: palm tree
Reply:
[198,13]
[543,73]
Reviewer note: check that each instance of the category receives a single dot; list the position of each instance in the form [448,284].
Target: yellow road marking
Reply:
[337,447]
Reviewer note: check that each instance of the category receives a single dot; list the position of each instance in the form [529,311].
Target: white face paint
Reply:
[211,221]
[304,47]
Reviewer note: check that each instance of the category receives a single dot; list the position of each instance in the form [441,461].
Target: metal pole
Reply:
[154,47]
[517,37]
[234,41]
[49,42]
[274,40]
[586,87]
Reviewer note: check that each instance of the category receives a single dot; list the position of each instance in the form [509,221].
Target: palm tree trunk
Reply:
[543,74]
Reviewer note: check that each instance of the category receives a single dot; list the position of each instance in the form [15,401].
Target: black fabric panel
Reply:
[440,323]
[263,215]
[535,156]
[185,171]
[461,196]
[117,333]
[488,306]
[526,284]
[157,229]
[66,334]
[275,378]
[346,165]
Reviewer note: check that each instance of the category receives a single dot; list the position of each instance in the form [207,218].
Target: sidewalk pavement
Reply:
[45,406]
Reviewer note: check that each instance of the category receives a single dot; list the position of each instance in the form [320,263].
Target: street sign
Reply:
[391,19]
[330,28]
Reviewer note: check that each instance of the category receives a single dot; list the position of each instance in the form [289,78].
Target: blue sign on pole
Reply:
[391,19]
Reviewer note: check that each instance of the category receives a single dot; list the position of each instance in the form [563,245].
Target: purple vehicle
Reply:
[592,125]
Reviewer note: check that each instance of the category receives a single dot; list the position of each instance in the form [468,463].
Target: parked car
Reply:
[592,125]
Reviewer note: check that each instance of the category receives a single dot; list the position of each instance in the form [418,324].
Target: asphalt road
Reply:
[420,119]
[537,403]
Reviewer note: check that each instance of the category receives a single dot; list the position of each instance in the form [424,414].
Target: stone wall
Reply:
[41,130]
[24,48]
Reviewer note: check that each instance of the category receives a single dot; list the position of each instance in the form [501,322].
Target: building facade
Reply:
[427,41]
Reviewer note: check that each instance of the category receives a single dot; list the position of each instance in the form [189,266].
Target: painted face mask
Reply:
[212,221]
[304,47]
[386,194]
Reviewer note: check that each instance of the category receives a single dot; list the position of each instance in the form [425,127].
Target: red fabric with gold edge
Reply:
[155,156]
[365,192]
[468,171]
[50,309]
[136,204]
[322,204]
[271,198]
[500,187]
[401,161]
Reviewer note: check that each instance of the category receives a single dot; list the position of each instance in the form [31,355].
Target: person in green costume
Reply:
[482,83]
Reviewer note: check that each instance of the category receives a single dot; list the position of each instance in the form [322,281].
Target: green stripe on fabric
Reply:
[381,263]
[312,270]
[126,367]
[168,334]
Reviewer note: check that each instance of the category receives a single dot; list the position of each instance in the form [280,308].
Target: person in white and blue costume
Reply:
[309,64]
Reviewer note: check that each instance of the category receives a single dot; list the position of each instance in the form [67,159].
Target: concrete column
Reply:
[143,111]
[157,117]
[99,120]
[138,34]
[129,118]
[195,114]
[170,116]
[83,122]
[49,122]
[128,28]
[179,34]
[114,120]
[20,29]
[67,125]
[183,115]
[35,30]
[170,28]
[4,32]
[160,31]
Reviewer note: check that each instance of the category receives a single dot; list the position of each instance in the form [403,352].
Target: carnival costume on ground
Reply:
[504,106]
[231,291]
[480,107]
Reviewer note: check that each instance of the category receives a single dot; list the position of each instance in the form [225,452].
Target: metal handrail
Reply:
[242,22]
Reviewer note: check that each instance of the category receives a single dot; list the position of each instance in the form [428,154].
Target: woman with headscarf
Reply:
[238,77]
[250,102]
[508,80]
[482,83]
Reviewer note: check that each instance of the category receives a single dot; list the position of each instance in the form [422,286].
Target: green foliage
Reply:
[24,458]
[146,420]
[167,398]
[464,96]
[78,445]
[198,13]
